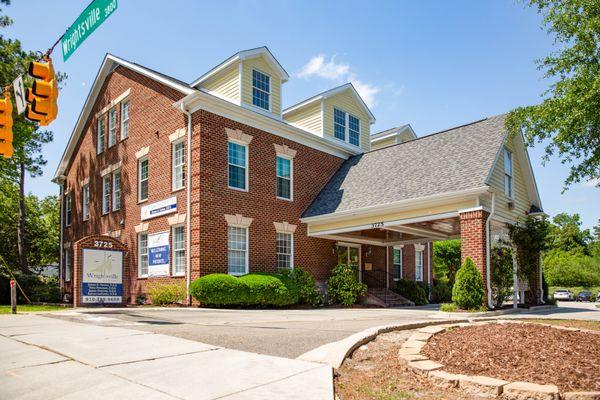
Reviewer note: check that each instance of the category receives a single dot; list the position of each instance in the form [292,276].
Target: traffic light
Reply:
[42,96]
[6,125]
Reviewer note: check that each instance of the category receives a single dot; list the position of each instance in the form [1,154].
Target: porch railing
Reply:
[378,279]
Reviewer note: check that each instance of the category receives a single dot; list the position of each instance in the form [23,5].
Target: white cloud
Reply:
[317,66]
[330,69]
[592,182]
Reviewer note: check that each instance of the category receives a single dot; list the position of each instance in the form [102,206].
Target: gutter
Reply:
[188,189]
[60,251]
[487,252]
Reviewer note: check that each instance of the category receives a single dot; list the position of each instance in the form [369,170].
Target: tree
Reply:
[28,137]
[568,115]
[447,256]
[565,234]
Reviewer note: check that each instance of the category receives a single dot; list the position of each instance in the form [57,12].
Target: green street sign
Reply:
[87,22]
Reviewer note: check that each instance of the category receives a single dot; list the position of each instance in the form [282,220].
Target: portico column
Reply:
[473,240]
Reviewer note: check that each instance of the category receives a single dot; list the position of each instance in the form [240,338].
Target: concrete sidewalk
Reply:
[49,358]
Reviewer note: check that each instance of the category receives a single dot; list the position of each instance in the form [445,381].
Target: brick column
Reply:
[473,241]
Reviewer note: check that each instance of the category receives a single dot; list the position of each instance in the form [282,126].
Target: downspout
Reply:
[540,272]
[429,268]
[188,176]
[60,251]
[487,253]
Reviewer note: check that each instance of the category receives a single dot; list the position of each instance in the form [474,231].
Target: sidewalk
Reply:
[56,359]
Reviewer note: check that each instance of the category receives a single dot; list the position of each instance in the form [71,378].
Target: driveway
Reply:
[284,333]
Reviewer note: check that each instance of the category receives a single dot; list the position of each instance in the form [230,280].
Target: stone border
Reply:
[493,313]
[483,386]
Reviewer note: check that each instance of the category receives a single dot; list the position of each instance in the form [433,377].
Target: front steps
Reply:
[387,298]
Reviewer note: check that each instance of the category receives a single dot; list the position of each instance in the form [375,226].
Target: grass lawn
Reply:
[594,325]
[4,309]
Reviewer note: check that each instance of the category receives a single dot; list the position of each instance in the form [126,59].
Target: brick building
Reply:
[229,182]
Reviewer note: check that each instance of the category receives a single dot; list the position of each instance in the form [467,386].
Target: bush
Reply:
[308,291]
[441,292]
[343,285]
[501,278]
[467,292]
[219,290]
[563,268]
[413,291]
[38,288]
[166,293]
[448,307]
[269,290]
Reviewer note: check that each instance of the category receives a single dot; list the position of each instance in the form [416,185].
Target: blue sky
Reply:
[433,64]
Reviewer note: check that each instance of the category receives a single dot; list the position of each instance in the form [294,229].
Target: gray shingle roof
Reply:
[456,159]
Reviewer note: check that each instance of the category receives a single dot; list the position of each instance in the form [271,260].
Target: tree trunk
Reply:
[21,227]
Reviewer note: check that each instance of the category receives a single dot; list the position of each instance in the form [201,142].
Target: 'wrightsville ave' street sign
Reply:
[87,22]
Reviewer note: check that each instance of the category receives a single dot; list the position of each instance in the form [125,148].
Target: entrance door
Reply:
[349,254]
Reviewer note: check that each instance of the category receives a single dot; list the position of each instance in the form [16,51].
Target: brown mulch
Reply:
[520,352]
[374,371]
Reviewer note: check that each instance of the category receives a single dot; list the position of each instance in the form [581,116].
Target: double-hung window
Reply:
[508,173]
[143,179]
[67,266]
[238,166]
[142,254]
[125,119]
[346,127]
[237,250]
[397,264]
[112,127]
[85,202]
[261,90]
[284,178]
[178,173]
[101,133]
[178,251]
[106,194]
[116,190]
[284,249]
[68,209]
[419,265]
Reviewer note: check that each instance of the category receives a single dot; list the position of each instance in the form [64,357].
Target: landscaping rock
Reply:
[412,357]
[530,391]
[423,367]
[445,379]
[581,396]
[421,336]
[482,385]
[408,350]
[415,344]
[433,329]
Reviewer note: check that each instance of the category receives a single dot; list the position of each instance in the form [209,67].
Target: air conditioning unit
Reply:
[511,205]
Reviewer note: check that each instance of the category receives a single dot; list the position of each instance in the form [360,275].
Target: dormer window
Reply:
[346,127]
[261,90]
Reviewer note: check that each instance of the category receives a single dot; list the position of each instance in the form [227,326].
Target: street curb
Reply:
[335,353]
[484,314]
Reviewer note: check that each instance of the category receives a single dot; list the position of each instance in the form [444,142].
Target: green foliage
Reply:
[448,307]
[441,292]
[343,285]
[567,119]
[259,289]
[166,293]
[413,291]
[565,234]
[38,288]
[308,291]
[529,237]
[501,274]
[446,257]
[467,292]
[563,268]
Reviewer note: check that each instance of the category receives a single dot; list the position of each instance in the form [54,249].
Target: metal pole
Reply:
[13,296]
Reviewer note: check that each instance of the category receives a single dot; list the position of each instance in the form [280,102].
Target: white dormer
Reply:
[251,79]
[393,136]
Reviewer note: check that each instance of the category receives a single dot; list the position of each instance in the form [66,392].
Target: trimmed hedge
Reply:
[467,292]
[413,291]
[166,293]
[269,290]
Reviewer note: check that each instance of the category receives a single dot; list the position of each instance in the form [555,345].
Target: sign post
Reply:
[87,22]
[13,296]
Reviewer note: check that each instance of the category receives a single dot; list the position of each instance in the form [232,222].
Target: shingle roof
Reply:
[456,159]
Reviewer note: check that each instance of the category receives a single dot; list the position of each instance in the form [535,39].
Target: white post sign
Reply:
[19,94]
[158,254]
[102,276]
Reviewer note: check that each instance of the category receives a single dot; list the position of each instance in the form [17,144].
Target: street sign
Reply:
[19,94]
[87,22]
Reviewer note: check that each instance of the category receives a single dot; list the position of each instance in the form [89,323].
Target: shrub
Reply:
[413,291]
[166,293]
[448,307]
[343,285]
[308,291]
[501,278]
[467,292]
[269,290]
[219,290]
[441,292]
[38,288]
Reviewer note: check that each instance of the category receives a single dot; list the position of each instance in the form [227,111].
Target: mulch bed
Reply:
[520,352]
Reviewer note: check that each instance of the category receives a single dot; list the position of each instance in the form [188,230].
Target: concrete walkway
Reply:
[49,358]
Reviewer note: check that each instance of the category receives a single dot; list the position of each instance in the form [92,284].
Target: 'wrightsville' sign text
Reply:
[87,22]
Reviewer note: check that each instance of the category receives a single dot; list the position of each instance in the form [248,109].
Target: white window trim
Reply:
[68,265]
[347,127]
[125,100]
[139,180]
[247,167]
[100,145]
[182,273]
[510,195]
[174,188]
[401,249]
[106,202]
[139,255]
[111,127]
[68,209]
[114,191]
[422,260]
[247,258]
[269,93]
[291,249]
[291,159]
[85,195]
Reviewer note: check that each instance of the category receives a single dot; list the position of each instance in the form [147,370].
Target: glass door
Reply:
[349,254]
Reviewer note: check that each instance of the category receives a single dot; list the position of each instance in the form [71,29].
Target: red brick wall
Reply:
[473,240]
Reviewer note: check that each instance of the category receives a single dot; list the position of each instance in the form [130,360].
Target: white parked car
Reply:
[564,295]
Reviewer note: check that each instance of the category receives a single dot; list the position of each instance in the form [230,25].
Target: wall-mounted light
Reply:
[335,248]
[369,251]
